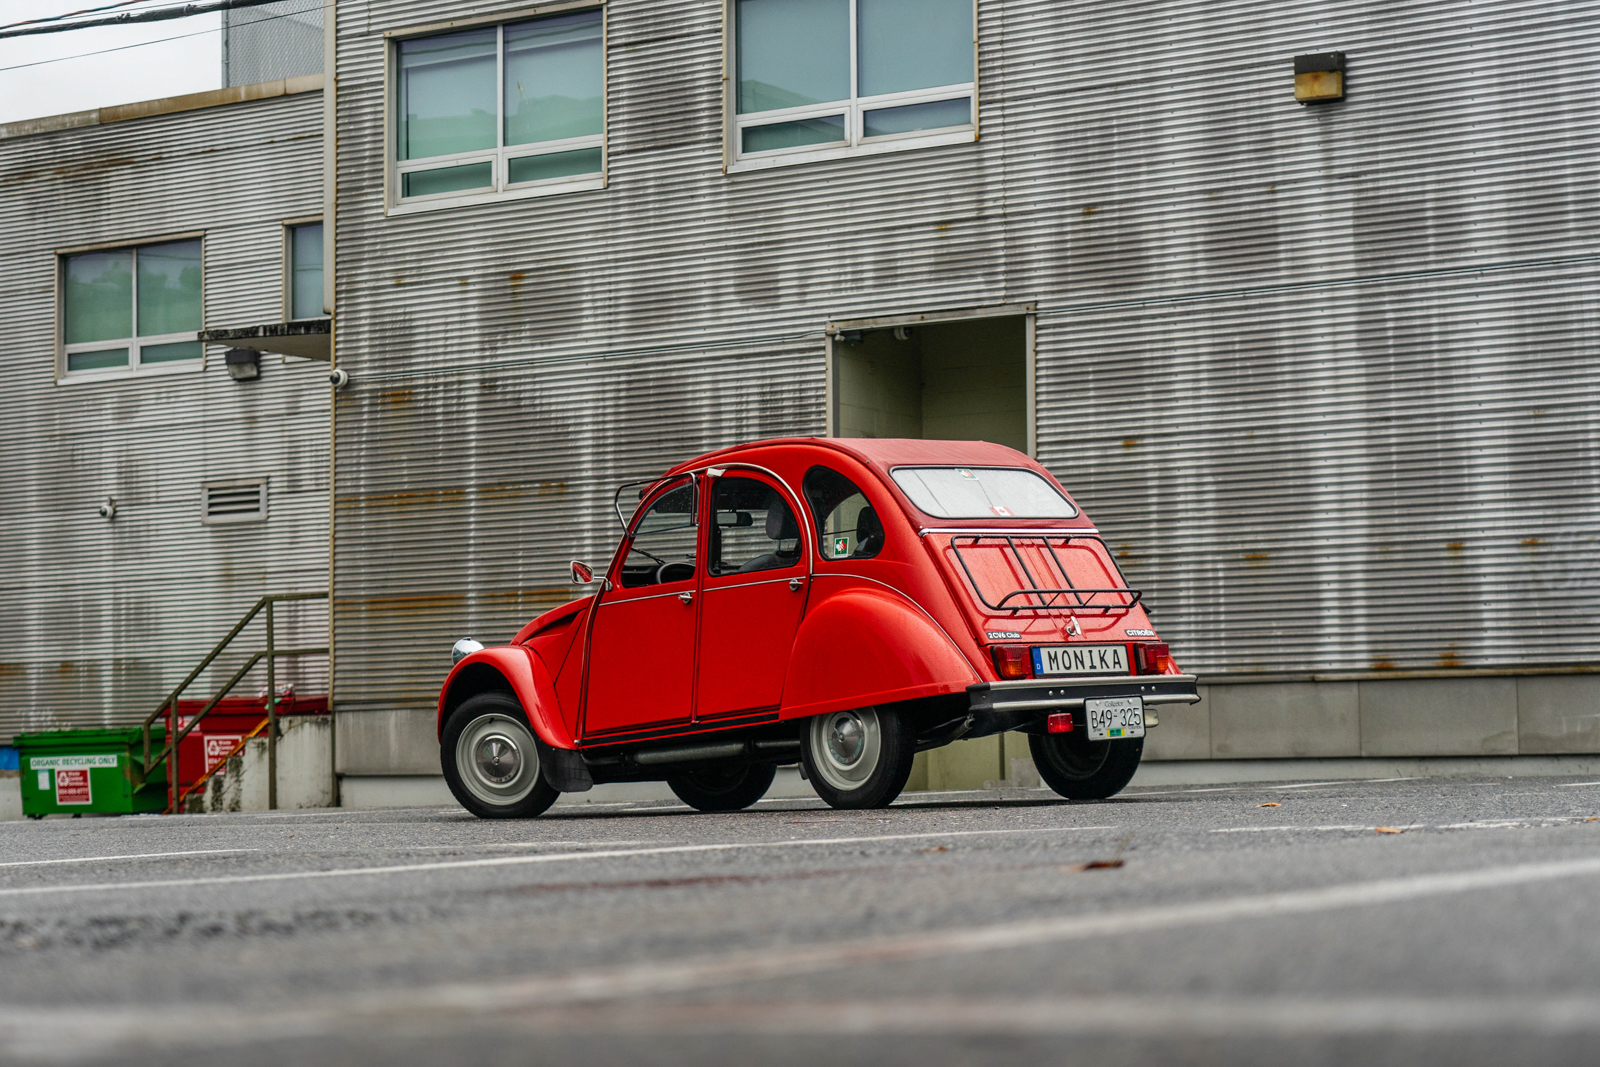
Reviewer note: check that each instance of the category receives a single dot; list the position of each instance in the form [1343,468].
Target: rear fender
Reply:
[864,646]
[510,669]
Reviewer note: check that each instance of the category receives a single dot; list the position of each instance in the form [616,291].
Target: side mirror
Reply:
[581,573]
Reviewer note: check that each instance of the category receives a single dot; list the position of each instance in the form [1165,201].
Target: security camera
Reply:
[340,378]
[108,508]
[902,333]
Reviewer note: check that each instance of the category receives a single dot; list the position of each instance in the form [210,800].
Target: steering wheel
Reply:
[663,572]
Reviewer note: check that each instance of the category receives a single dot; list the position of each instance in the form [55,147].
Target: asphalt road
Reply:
[1226,925]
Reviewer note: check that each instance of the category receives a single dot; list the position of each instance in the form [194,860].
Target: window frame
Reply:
[136,342]
[289,226]
[735,160]
[395,168]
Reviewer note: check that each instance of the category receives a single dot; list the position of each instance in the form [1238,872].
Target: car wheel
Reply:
[491,759]
[1080,769]
[724,789]
[859,758]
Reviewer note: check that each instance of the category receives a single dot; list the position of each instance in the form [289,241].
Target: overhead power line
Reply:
[158,14]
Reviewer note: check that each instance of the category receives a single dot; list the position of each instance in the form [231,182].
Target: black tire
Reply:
[724,788]
[1080,769]
[851,777]
[486,735]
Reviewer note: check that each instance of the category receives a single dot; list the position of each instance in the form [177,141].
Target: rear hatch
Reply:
[1045,588]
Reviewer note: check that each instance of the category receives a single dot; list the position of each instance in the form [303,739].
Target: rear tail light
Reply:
[1152,658]
[1059,723]
[1012,661]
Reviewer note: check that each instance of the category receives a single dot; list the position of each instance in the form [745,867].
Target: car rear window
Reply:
[982,493]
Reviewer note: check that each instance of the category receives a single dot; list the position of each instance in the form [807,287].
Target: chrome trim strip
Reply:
[1052,683]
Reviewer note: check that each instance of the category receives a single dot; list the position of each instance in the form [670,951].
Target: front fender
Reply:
[864,646]
[514,669]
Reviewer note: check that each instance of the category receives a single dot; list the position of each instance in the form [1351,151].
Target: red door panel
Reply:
[754,595]
[747,632]
[641,662]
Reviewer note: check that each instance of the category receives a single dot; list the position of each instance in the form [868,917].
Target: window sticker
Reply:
[1001,510]
[841,546]
[966,474]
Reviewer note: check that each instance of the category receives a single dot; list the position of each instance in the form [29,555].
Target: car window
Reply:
[754,529]
[848,527]
[982,493]
[663,541]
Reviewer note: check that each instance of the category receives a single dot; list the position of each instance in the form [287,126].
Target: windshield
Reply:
[982,493]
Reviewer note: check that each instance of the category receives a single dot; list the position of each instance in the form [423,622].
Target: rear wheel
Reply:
[1080,769]
[491,759]
[724,788]
[859,758]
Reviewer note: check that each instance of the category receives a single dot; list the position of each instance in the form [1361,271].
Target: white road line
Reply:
[139,856]
[1269,787]
[1285,829]
[1574,785]
[515,861]
[770,963]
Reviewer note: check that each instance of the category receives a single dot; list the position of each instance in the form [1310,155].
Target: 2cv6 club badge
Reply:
[840,604]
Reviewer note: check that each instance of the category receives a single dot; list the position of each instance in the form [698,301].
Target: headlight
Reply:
[463,648]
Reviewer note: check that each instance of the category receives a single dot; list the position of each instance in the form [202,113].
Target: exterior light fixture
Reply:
[1319,78]
[244,364]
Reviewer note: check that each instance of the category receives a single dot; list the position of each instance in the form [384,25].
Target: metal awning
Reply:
[307,338]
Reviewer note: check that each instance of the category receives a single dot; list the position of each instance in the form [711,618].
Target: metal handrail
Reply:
[170,704]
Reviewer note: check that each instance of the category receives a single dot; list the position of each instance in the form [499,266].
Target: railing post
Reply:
[272,718]
[172,753]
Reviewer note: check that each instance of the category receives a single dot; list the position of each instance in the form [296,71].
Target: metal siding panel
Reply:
[99,620]
[1287,355]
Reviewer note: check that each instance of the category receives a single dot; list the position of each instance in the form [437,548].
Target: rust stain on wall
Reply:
[396,396]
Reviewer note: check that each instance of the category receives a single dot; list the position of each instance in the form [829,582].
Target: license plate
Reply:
[1113,718]
[1051,660]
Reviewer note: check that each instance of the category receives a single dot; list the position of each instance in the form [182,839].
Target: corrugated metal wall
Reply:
[98,620]
[1320,369]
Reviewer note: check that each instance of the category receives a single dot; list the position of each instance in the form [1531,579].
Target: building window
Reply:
[510,110]
[304,260]
[824,78]
[132,307]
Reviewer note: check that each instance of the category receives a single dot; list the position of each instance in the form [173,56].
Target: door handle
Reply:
[686,597]
[795,584]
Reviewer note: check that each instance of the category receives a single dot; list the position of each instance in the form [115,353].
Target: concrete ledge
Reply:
[1227,772]
[167,105]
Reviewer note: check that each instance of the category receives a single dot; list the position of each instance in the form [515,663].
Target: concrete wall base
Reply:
[305,770]
[10,796]
[1227,772]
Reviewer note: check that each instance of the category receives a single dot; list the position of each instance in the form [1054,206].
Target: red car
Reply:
[843,604]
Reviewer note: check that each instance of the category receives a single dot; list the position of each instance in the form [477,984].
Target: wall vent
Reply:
[242,501]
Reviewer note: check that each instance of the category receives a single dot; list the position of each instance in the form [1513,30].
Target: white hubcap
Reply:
[497,759]
[845,746]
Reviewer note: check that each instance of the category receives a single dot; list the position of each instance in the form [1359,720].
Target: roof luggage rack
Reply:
[1036,597]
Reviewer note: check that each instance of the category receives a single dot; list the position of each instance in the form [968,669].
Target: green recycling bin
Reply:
[91,770]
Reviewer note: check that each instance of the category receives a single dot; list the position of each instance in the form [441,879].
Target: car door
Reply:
[640,667]
[754,593]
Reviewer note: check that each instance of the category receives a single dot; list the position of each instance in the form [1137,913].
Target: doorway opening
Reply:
[956,376]
[963,376]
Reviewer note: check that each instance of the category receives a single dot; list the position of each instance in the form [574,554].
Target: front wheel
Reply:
[859,758]
[1080,769]
[724,788]
[491,759]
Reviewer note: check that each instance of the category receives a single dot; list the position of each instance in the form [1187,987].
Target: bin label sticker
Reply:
[218,746]
[44,781]
[72,785]
[40,763]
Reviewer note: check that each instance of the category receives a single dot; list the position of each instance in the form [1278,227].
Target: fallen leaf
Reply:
[1100,865]
[1386,830]
[937,848]
[1269,804]
[1593,818]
